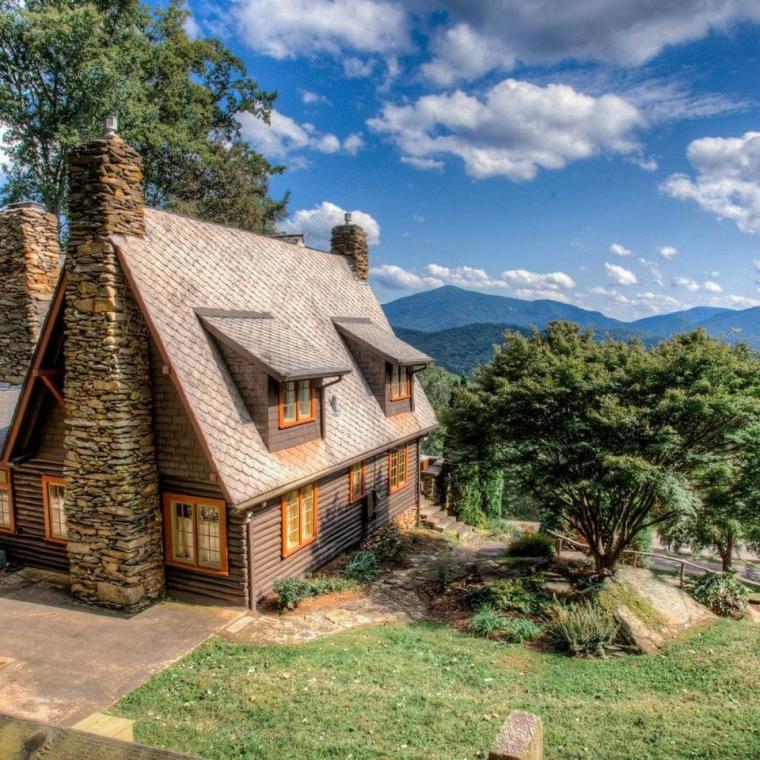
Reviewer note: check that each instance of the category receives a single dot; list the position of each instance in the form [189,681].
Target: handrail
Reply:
[682,562]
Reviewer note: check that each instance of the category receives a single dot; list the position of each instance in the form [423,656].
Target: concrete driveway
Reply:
[61,661]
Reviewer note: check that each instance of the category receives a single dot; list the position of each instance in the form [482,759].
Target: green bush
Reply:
[387,545]
[362,567]
[722,593]
[291,591]
[517,630]
[583,629]
[488,622]
[532,545]
[514,595]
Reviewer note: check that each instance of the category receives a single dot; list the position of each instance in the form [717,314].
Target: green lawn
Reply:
[425,691]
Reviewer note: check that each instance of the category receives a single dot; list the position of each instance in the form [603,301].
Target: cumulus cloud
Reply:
[313,98]
[690,284]
[356,68]
[487,35]
[727,181]
[425,164]
[757,264]
[654,270]
[517,128]
[667,251]
[712,287]
[521,282]
[620,250]
[309,27]
[316,224]
[620,275]
[740,302]
[284,136]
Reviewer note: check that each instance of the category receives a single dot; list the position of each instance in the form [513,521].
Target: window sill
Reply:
[391,491]
[297,423]
[200,570]
[295,549]
[59,541]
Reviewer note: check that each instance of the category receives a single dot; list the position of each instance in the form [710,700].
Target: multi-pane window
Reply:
[398,468]
[54,499]
[401,383]
[356,481]
[6,501]
[297,402]
[195,533]
[299,518]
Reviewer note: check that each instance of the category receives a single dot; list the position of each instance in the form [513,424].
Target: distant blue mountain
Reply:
[458,327]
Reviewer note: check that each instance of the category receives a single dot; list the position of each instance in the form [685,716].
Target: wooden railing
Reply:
[683,563]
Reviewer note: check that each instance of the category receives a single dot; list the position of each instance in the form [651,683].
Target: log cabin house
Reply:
[188,407]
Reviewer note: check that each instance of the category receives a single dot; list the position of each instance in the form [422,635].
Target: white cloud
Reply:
[690,284]
[712,287]
[757,264]
[316,224]
[356,68]
[740,302]
[425,164]
[418,218]
[654,270]
[517,128]
[620,275]
[396,278]
[313,98]
[520,282]
[727,181]
[284,136]
[667,251]
[308,27]
[487,35]
[620,250]
[191,26]
[647,163]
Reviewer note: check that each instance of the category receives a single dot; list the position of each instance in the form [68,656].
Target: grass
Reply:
[422,691]
[615,594]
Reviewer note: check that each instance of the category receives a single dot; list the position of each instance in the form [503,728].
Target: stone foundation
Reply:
[112,494]
[29,265]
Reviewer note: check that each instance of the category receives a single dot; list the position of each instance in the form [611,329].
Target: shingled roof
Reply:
[381,341]
[183,265]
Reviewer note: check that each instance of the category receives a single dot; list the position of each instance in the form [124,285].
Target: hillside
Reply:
[459,328]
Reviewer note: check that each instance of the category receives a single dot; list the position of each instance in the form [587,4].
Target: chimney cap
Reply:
[110,125]
[347,217]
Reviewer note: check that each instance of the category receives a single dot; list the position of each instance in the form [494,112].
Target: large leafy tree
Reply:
[66,64]
[608,438]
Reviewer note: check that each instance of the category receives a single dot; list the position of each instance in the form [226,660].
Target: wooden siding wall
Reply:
[340,523]
[290,436]
[28,544]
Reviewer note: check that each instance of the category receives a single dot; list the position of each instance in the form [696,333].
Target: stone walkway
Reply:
[393,599]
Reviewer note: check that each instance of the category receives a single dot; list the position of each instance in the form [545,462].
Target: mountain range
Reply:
[459,327]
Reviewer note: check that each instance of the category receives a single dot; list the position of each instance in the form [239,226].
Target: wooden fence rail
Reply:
[683,563]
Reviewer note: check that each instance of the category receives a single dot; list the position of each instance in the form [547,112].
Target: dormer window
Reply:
[401,383]
[298,402]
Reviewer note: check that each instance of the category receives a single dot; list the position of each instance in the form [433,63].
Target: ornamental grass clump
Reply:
[291,591]
[583,629]
[488,622]
[362,567]
[532,545]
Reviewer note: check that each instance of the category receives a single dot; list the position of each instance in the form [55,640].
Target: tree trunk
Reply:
[726,552]
[604,563]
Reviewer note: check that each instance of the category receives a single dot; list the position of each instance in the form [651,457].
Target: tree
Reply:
[438,385]
[609,438]
[66,64]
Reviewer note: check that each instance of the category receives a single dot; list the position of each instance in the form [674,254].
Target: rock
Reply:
[636,633]
[121,596]
[558,587]
[521,738]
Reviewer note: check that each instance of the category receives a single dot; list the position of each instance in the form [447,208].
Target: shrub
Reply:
[583,629]
[532,545]
[723,594]
[291,591]
[362,567]
[516,596]
[488,622]
[521,629]
[388,546]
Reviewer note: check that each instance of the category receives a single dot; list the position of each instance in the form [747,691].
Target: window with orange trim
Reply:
[356,482]
[7,522]
[54,501]
[398,469]
[401,383]
[196,533]
[299,518]
[298,402]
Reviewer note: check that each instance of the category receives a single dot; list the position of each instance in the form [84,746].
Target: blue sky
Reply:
[599,152]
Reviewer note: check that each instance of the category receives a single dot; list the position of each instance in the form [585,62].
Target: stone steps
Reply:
[437,519]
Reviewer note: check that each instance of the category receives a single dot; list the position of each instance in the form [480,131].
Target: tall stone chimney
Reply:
[112,495]
[29,264]
[351,240]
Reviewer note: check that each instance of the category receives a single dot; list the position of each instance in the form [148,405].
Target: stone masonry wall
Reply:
[29,265]
[351,240]
[112,494]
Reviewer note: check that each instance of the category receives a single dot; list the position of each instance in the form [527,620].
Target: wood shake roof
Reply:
[185,265]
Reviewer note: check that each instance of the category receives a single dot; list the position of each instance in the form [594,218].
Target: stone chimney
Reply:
[112,496]
[29,263]
[351,240]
